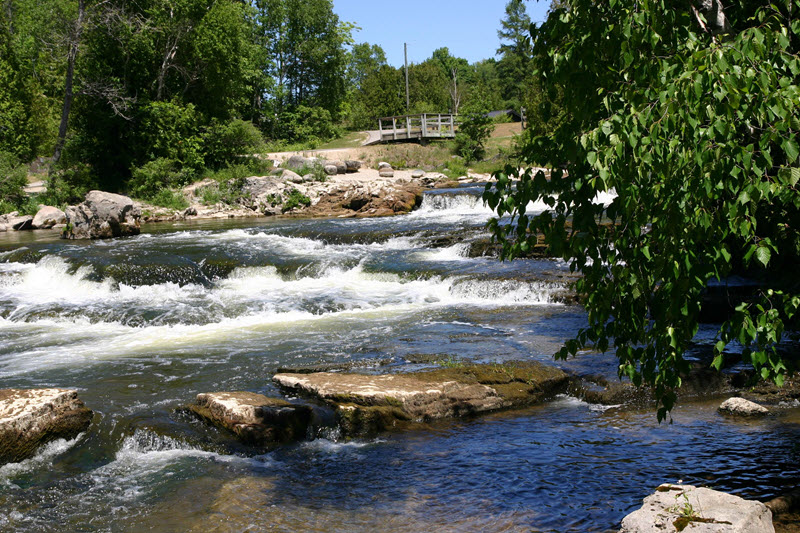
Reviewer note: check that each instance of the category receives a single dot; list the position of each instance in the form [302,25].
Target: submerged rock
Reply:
[700,510]
[367,404]
[30,418]
[253,418]
[101,216]
[742,407]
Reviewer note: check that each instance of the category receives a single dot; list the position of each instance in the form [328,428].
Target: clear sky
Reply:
[467,27]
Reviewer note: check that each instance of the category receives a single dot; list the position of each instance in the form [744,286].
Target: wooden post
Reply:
[380,127]
[394,127]
[424,125]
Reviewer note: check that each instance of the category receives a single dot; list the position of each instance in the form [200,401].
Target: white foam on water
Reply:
[457,252]
[42,459]
[324,445]
[263,302]
[49,281]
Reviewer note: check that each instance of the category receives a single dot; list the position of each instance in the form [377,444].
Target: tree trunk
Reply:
[68,92]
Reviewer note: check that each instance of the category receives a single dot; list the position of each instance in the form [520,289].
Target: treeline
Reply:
[142,96]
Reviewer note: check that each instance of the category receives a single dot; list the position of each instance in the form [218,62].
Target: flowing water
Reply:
[141,325]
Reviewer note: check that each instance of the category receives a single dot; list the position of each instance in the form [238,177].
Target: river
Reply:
[141,325]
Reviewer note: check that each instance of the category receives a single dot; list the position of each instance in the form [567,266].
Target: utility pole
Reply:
[405,49]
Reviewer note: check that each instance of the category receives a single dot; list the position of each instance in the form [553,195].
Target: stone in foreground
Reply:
[30,418]
[254,418]
[102,215]
[366,404]
[699,510]
[742,407]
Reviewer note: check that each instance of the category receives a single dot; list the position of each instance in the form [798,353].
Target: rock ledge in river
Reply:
[742,407]
[30,418]
[253,418]
[699,510]
[366,404]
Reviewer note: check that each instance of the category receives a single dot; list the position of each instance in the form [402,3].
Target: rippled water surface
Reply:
[141,325]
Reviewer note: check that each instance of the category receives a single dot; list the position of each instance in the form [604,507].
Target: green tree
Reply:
[457,72]
[428,88]
[473,132]
[15,100]
[381,95]
[515,52]
[691,119]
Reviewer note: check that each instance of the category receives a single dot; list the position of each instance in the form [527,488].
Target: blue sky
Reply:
[467,27]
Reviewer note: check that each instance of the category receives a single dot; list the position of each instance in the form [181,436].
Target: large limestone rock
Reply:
[253,418]
[15,221]
[742,407]
[367,404]
[686,508]
[48,216]
[101,216]
[32,417]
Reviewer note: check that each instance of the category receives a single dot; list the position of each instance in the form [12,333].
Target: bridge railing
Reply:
[421,126]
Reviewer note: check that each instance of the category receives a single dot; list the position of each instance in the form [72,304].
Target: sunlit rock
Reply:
[742,407]
[686,508]
[367,404]
[47,217]
[30,418]
[101,216]
[253,418]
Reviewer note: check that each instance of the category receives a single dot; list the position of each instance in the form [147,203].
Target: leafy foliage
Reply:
[13,177]
[151,178]
[694,127]
[225,143]
[473,132]
[295,199]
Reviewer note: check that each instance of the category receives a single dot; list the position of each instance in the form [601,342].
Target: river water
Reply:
[140,325]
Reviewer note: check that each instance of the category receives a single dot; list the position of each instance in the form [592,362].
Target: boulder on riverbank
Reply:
[683,507]
[15,222]
[102,215]
[367,404]
[253,418]
[30,418]
[47,217]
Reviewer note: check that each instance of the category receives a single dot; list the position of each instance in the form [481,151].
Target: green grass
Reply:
[354,139]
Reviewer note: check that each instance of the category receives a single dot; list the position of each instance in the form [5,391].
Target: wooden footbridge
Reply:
[423,126]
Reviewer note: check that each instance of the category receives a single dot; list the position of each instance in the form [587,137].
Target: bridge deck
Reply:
[423,126]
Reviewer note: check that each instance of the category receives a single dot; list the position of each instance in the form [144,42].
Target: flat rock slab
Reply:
[30,418]
[675,508]
[367,404]
[253,418]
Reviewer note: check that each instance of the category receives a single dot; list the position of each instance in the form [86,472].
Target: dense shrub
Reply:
[148,180]
[170,131]
[473,132]
[226,143]
[306,124]
[170,199]
[13,178]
